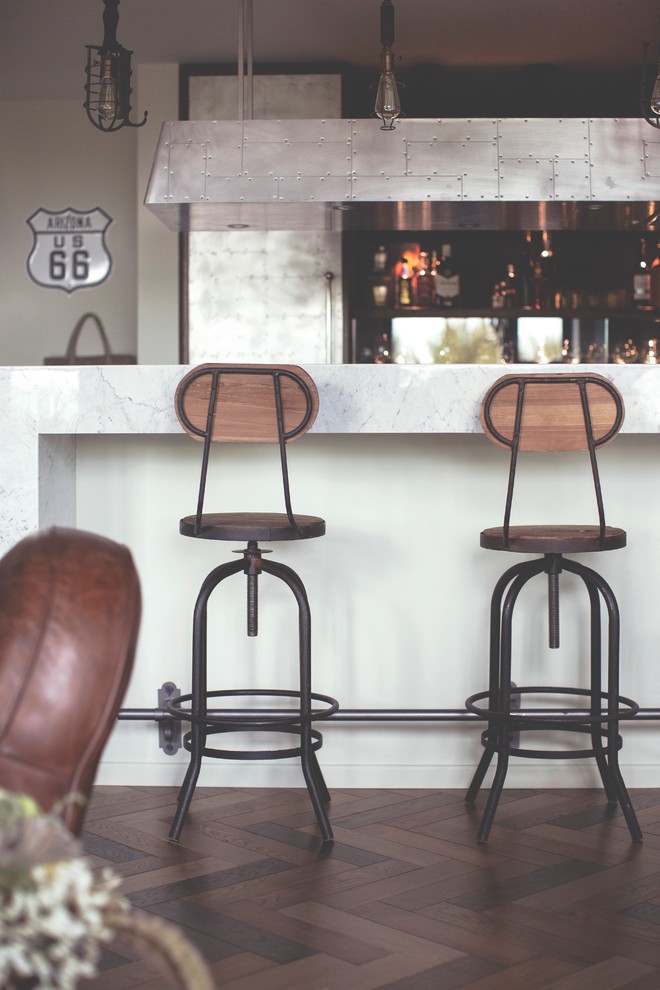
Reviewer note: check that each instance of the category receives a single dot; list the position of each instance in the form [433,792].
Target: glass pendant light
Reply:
[387,105]
[655,95]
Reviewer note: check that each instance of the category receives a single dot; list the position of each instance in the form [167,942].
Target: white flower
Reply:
[51,904]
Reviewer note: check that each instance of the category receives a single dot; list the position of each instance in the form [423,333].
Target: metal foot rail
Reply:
[170,728]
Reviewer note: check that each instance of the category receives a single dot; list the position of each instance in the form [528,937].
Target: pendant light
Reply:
[108,85]
[650,101]
[650,104]
[387,105]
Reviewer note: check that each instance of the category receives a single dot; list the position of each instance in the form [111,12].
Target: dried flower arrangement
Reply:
[56,911]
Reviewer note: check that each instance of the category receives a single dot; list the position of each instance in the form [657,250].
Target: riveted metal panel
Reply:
[617,160]
[224,158]
[186,172]
[296,131]
[379,159]
[522,178]
[299,158]
[652,159]
[572,179]
[478,158]
[435,129]
[300,189]
[481,185]
[544,138]
[409,187]
[241,189]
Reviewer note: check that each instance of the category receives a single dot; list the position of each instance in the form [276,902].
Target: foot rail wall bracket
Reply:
[169,729]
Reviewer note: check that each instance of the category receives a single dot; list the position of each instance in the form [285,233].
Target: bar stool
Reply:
[556,412]
[250,404]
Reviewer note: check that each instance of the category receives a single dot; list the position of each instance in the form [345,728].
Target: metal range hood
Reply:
[334,175]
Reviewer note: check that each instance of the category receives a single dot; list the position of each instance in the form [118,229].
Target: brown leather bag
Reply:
[69,619]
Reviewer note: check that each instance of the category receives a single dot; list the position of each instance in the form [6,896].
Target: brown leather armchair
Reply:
[69,619]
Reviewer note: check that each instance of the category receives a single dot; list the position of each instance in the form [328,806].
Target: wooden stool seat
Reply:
[268,527]
[553,539]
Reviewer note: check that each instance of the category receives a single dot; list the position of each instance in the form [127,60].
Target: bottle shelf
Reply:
[387,313]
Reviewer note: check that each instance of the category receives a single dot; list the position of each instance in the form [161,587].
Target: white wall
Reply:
[158,247]
[53,158]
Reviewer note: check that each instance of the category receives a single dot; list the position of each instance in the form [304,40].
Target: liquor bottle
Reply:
[447,281]
[545,274]
[641,294]
[380,259]
[511,287]
[526,294]
[425,282]
[404,297]
[497,296]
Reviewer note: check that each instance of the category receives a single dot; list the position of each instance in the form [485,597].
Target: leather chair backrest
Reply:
[69,618]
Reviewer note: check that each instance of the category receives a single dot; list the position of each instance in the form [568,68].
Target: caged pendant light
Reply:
[387,105]
[108,85]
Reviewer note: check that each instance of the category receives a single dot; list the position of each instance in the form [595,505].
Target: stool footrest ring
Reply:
[252,719]
[518,718]
[553,754]
[254,754]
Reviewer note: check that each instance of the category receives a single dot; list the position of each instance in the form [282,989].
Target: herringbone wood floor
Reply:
[405,899]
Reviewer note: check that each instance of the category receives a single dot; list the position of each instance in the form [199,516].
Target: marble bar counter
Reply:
[47,408]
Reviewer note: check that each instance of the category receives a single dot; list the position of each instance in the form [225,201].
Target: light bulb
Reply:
[108,105]
[655,95]
[387,105]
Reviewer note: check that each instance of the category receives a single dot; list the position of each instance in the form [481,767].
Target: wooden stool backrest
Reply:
[239,403]
[246,403]
[554,412]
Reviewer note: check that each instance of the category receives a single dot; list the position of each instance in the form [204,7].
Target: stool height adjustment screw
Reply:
[253,569]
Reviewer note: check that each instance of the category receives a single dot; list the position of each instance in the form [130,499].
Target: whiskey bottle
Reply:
[404,297]
[425,282]
[447,281]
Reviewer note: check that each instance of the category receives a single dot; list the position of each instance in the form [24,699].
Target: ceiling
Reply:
[42,42]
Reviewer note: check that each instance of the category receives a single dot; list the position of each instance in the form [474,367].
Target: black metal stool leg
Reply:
[199,694]
[489,738]
[197,729]
[320,782]
[614,776]
[316,787]
[596,695]
[613,710]
[504,701]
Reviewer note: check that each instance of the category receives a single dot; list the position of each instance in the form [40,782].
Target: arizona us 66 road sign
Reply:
[69,250]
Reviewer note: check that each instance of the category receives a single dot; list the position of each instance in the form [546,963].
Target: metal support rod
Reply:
[387,714]
[329,276]
[245,66]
